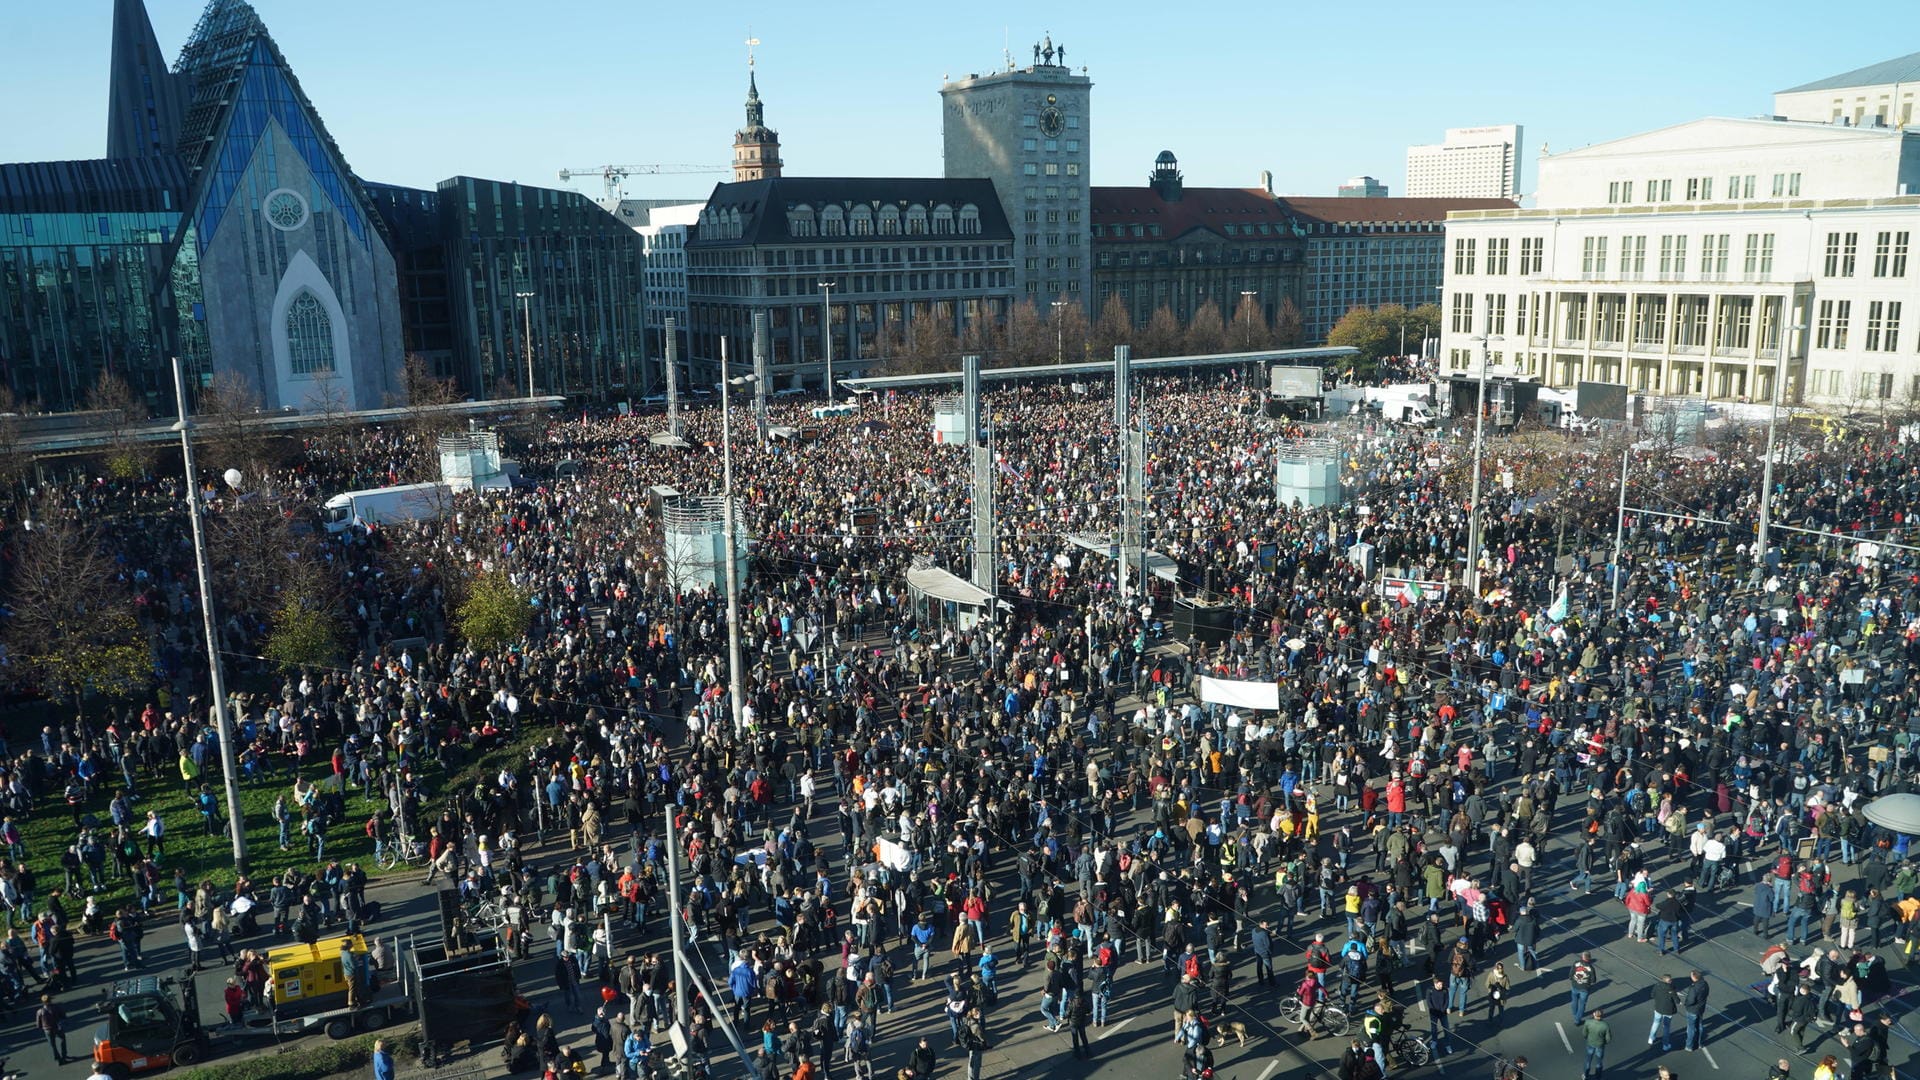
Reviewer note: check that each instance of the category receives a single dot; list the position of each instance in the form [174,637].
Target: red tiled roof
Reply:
[1335,210]
[1198,208]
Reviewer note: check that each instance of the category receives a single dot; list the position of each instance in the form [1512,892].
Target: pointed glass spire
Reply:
[143,98]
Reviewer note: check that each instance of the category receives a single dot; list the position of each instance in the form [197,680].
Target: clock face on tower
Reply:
[1050,122]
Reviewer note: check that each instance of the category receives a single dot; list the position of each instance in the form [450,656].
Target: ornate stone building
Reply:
[1168,245]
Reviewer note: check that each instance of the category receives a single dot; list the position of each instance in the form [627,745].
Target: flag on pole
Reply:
[1558,612]
[1410,595]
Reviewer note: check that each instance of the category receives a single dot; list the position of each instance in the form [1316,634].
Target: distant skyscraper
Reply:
[1363,187]
[1027,130]
[1473,163]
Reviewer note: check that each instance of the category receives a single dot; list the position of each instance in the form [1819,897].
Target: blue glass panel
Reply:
[264,93]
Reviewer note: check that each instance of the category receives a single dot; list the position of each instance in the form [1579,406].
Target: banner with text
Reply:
[1240,693]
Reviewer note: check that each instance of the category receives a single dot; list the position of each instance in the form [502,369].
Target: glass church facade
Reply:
[226,228]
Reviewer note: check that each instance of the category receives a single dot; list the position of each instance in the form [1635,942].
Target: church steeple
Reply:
[143,97]
[756,147]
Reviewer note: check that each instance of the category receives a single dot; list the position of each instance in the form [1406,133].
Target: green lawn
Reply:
[48,832]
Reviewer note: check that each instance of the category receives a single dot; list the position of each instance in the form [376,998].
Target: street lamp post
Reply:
[1059,333]
[735,692]
[236,822]
[826,331]
[1473,507]
[1246,301]
[1773,421]
[526,332]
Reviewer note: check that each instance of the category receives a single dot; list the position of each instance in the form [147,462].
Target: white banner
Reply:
[891,853]
[1245,695]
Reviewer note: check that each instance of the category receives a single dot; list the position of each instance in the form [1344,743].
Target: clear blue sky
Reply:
[418,90]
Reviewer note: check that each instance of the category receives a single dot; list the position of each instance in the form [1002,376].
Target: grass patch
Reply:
[48,832]
[312,1062]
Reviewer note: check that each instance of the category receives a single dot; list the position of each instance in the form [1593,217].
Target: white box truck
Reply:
[386,506]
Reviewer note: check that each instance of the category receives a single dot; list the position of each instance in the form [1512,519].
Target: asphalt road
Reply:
[1137,1041]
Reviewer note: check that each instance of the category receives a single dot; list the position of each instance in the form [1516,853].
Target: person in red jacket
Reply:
[236,998]
[1396,802]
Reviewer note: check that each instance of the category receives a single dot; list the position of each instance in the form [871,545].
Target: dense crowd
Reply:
[917,809]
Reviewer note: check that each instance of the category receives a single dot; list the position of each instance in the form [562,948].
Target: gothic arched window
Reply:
[309,335]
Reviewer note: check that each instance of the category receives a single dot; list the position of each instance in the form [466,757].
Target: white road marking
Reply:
[1709,1054]
[1564,1041]
[1268,1071]
[1111,1028]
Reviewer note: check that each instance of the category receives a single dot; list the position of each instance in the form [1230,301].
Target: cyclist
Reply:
[1311,995]
[1381,1024]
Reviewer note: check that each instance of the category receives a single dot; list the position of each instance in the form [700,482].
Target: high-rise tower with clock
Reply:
[1027,130]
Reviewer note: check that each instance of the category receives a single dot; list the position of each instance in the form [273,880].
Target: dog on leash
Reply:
[1223,1028]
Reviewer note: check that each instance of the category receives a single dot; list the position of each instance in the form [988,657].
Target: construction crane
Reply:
[612,175]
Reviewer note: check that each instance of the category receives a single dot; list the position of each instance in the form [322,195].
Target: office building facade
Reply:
[1168,245]
[1470,163]
[1370,252]
[895,250]
[663,239]
[1680,262]
[539,284]
[1028,130]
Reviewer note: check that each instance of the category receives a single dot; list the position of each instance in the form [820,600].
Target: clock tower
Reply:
[756,147]
[1028,130]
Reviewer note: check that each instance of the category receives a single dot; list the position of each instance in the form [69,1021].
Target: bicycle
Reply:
[491,915]
[1409,1048]
[411,852]
[1327,1019]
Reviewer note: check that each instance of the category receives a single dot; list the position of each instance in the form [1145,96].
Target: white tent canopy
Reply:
[941,585]
[1158,565]
[1896,813]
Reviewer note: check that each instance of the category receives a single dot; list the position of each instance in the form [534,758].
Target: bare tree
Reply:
[1113,327]
[426,421]
[1249,329]
[1206,331]
[227,426]
[1288,328]
[333,405]
[15,461]
[1162,335]
[73,630]
[1028,340]
[120,413]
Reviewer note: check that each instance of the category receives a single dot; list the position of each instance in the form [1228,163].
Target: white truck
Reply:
[386,506]
[1407,403]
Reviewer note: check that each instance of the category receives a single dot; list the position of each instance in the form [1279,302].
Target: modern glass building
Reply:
[528,278]
[84,267]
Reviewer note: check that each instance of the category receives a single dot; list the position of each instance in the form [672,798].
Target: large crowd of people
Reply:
[913,810]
